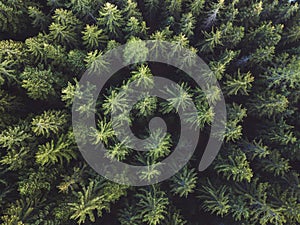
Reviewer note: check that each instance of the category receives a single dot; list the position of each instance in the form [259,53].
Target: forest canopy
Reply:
[253,49]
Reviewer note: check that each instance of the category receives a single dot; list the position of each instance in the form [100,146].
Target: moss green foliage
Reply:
[252,46]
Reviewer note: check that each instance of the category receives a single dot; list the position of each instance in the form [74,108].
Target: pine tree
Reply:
[131,10]
[111,18]
[93,37]
[103,133]
[275,164]
[187,23]
[143,77]
[95,197]
[180,98]
[40,20]
[213,13]
[152,205]
[95,62]
[64,28]
[152,7]
[184,182]
[6,71]
[88,201]
[196,6]
[240,83]
[158,145]
[51,153]
[146,106]
[38,82]
[285,74]
[174,7]
[235,166]
[128,215]
[131,55]
[268,104]
[12,15]
[49,122]
[215,199]
[135,28]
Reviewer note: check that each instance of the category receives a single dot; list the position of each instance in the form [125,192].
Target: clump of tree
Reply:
[252,47]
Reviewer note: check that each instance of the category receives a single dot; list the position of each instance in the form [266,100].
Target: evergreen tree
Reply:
[93,37]
[38,82]
[49,122]
[184,182]
[251,47]
[152,205]
[215,199]
[63,29]
[111,18]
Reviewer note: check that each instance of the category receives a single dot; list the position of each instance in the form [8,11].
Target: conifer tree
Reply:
[93,37]
[252,49]
[152,205]
[38,82]
[110,17]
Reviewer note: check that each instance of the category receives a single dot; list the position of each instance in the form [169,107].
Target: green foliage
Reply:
[63,30]
[196,6]
[38,82]
[93,36]
[143,77]
[187,24]
[115,102]
[235,167]
[146,106]
[262,212]
[83,7]
[111,18]
[128,215]
[39,19]
[6,71]
[131,55]
[180,98]
[69,92]
[255,149]
[184,182]
[233,129]
[16,159]
[75,61]
[285,74]
[158,145]
[104,132]
[88,201]
[219,66]
[215,199]
[49,122]
[39,50]
[15,136]
[51,153]
[252,49]
[131,10]
[275,164]
[12,15]
[174,218]
[152,205]
[239,84]
[95,197]
[267,104]
[18,212]
[95,62]
[37,183]
[135,28]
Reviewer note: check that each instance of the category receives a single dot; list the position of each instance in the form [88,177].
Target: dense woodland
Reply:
[253,48]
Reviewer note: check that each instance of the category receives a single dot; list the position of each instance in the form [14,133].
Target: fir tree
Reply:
[111,18]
